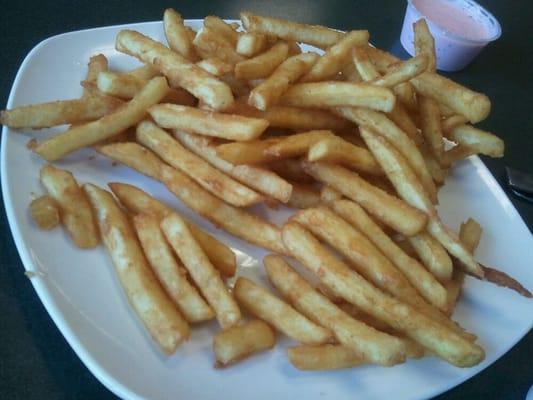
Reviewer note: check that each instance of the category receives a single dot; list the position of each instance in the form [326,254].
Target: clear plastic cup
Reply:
[461,28]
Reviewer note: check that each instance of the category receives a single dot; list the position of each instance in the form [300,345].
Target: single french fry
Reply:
[336,57]
[325,357]
[146,72]
[238,342]
[336,150]
[406,94]
[270,91]
[314,35]
[45,212]
[353,288]
[201,270]
[363,64]
[45,115]
[436,168]
[178,38]
[169,272]
[97,64]
[379,123]
[261,303]
[209,43]
[74,208]
[108,126]
[260,179]
[388,209]
[329,194]
[263,64]
[451,122]
[430,125]
[291,169]
[137,201]
[179,71]
[339,94]
[425,44]
[368,343]
[215,66]
[222,28]
[403,72]
[210,178]
[134,156]
[264,151]
[403,120]
[410,189]
[249,44]
[226,126]
[480,141]
[418,276]
[432,255]
[303,196]
[151,304]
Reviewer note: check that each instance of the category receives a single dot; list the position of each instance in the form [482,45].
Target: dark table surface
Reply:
[36,362]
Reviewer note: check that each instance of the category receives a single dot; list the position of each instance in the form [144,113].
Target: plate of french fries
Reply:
[260,208]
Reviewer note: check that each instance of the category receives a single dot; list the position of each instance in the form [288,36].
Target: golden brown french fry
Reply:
[436,168]
[480,141]
[403,72]
[263,64]
[410,189]
[379,123]
[209,43]
[215,66]
[97,64]
[45,115]
[336,57]
[270,90]
[261,303]
[424,43]
[146,72]
[238,342]
[325,357]
[157,312]
[210,178]
[314,35]
[134,156]
[296,118]
[264,151]
[291,169]
[222,28]
[430,125]
[388,209]
[235,221]
[45,212]
[451,122]
[455,154]
[189,119]
[201,270]
[106,127]
[178,38]
[432,255]
[260,179]
[329,194]
[137,201]
[303,196]
[74,208]
[403,120]
[169,272]
[353,288]
[336,150]
[363,64]
[249,44]
[349,73]
[368,343]
[418,276]
[179,71]
[339,94]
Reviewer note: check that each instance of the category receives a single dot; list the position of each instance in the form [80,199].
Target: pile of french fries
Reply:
[229,117]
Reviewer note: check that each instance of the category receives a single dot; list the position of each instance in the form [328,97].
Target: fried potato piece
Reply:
[314,35]
[363,64]
[425,44]
[179,71]
[291,169]
[45,115]
[106,127]
[210,43]
[215,66]
[157,312]
[430,125]
[446,343]
[403,72]
[146,72]
[477,140]
[403,120]
[270,91]
[74,208]
[137,201]
[329,194]
[225,126]
[169,272]
[238,342]
[303,196]
[339,94]
[97,64]
[178,37]
[322,358]
[388,209]
[210,178]
[202,272]
[45,212]
[222,28]
[369,344]
[432,255]
[278,314]
[263,64]
[456,154]
[249,44]
[451,122]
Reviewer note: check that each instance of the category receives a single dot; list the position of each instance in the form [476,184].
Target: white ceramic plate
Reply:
[82,294]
